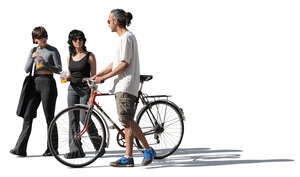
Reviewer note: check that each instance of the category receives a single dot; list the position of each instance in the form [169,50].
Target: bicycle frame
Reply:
[141,96]
[156,116]
[91,108]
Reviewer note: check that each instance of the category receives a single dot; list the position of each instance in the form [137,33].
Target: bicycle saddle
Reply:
[145,78]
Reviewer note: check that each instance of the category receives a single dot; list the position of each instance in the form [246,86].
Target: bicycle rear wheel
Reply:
[76,146]
[162,124]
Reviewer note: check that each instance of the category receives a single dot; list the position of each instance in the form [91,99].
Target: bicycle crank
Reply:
[121,139]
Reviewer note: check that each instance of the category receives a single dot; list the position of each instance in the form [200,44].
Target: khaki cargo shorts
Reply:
[126,106]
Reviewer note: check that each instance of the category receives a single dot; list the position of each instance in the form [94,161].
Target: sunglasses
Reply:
[108,21]
[79,38]
[40,37]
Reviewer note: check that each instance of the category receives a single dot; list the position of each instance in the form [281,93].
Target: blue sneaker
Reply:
[148,157]
[123,162]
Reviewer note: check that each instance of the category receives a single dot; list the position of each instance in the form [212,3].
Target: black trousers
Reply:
[45,92]
[76,117]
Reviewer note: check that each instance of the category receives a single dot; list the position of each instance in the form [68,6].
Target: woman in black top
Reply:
[46,60]
[81,64]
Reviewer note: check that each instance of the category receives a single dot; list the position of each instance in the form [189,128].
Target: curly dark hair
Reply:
[73,35]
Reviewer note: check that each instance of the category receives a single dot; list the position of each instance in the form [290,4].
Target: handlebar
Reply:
[91,82]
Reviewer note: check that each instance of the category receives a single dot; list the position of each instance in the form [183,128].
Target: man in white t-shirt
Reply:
[125,72]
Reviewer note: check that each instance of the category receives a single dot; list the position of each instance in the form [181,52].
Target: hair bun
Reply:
[128,16]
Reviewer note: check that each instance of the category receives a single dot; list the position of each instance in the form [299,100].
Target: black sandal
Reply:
[74,154]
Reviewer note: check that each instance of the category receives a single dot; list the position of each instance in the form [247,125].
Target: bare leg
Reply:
[129,141]
[133,130]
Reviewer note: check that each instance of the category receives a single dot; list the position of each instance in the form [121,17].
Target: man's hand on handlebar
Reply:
[93,77]
[99,80]
[93,80]
[88,80]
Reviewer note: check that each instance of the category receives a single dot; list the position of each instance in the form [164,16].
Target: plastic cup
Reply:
[63,77]
[38,64]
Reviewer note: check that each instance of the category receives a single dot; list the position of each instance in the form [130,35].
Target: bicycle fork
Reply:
[86,122]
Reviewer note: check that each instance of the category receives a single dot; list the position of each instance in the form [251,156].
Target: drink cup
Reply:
[39,64]
[63,77]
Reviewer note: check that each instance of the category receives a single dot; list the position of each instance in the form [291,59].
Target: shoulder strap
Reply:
[33,65]
[88,54]
[34,49]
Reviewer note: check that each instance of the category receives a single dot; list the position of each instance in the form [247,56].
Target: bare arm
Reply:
[106,70]
[69,73]
[93,65]
[118,70]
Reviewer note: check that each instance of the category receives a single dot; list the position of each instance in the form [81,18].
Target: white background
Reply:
[233,66]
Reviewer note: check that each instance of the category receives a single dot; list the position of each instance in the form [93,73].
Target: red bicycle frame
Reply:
[93,103]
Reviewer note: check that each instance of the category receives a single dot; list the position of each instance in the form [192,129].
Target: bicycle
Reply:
[160,119]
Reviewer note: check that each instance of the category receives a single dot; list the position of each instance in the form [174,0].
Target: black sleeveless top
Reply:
[79,70]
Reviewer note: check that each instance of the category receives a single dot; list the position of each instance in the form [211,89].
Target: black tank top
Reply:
[79,70]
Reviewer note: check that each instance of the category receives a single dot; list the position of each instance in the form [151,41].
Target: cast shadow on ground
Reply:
[194,157]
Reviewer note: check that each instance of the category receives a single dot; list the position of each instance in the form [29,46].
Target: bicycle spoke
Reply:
[167,135]
[165,113]
[158,114]
[170,137]
[87,142]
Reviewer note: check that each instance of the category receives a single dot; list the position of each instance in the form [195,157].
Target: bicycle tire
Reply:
[147,125]
[60,121]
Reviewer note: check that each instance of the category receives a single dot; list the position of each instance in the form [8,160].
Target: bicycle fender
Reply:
[178,109]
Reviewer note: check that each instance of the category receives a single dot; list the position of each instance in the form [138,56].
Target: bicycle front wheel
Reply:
[162,124]
[72,143]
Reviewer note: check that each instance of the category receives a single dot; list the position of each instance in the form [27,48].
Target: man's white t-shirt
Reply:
[129,80]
